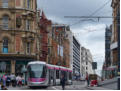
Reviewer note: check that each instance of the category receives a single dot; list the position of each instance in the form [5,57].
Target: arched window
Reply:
[5,22]
[5,45]
[5,3]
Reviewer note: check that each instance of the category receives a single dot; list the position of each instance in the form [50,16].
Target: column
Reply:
[13,63]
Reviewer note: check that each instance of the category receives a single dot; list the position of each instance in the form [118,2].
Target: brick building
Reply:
[60,46]
[19,34]
[44,26]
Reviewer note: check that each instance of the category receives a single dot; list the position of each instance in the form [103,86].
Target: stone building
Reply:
[115,40]
[115,32]
[86,62]
[18,34]
[111,65]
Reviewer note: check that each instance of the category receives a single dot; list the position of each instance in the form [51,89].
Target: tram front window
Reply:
[37,71]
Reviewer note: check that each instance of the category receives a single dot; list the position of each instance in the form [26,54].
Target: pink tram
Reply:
[42,74]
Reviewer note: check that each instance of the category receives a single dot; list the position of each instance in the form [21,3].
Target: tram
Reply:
[42,74]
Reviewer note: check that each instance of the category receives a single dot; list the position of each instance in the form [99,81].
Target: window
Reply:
[57,74]
[27,25]
[64,73]
[5,45]
[70,75]
[28,4]
[86,63]
[28,47]
[5,22]
[86,68]
[48,50]
[18,21]
[5,3]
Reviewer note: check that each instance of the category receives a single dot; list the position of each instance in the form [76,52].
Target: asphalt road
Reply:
[77,85]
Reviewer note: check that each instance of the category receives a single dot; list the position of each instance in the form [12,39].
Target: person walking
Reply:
[0,79]
[0,86]
[4,79]
[87,79]
[63,81]
[8,80]
[23,81]
[13,80]
[20,81]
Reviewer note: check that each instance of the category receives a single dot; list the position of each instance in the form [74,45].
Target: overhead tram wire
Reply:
[92,13]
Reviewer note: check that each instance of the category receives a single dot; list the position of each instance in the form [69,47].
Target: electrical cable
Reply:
[92,13]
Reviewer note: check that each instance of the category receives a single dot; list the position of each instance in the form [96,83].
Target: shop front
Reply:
[13,66]
[20,65]
[112,72]
[5,67]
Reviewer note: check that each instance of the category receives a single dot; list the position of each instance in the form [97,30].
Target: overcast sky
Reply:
[90,33]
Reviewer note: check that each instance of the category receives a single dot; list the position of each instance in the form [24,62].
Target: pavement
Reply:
[97,88]
[77,85]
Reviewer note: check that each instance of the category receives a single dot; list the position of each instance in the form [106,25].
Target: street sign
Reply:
[94,65]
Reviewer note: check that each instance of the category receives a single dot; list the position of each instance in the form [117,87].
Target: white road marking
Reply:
[55,88]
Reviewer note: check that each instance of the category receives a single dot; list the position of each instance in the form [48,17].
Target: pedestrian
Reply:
[0,78]
[23,81]
[20,81]
[13,80]
[8,80]
[0,86]
[4,79]
[63,81]
[87,79]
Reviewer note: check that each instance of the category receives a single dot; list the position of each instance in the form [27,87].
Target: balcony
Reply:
[114,45]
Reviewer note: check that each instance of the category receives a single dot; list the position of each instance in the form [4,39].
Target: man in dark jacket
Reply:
[63,82]
[87,78]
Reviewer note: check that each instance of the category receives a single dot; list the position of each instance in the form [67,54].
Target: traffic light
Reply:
[94,65]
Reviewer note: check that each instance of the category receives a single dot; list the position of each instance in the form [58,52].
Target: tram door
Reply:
[51,76]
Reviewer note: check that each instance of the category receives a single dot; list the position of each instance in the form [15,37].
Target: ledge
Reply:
[12,55]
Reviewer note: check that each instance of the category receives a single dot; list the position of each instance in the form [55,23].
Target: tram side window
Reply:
[57,74]
[70,75]
[64,73]
[44,71]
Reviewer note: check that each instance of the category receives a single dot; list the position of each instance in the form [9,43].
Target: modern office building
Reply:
[76,56]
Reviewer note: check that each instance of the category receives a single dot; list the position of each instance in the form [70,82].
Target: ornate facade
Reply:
[19,40]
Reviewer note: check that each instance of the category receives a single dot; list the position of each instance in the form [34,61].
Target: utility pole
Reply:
[118,31]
